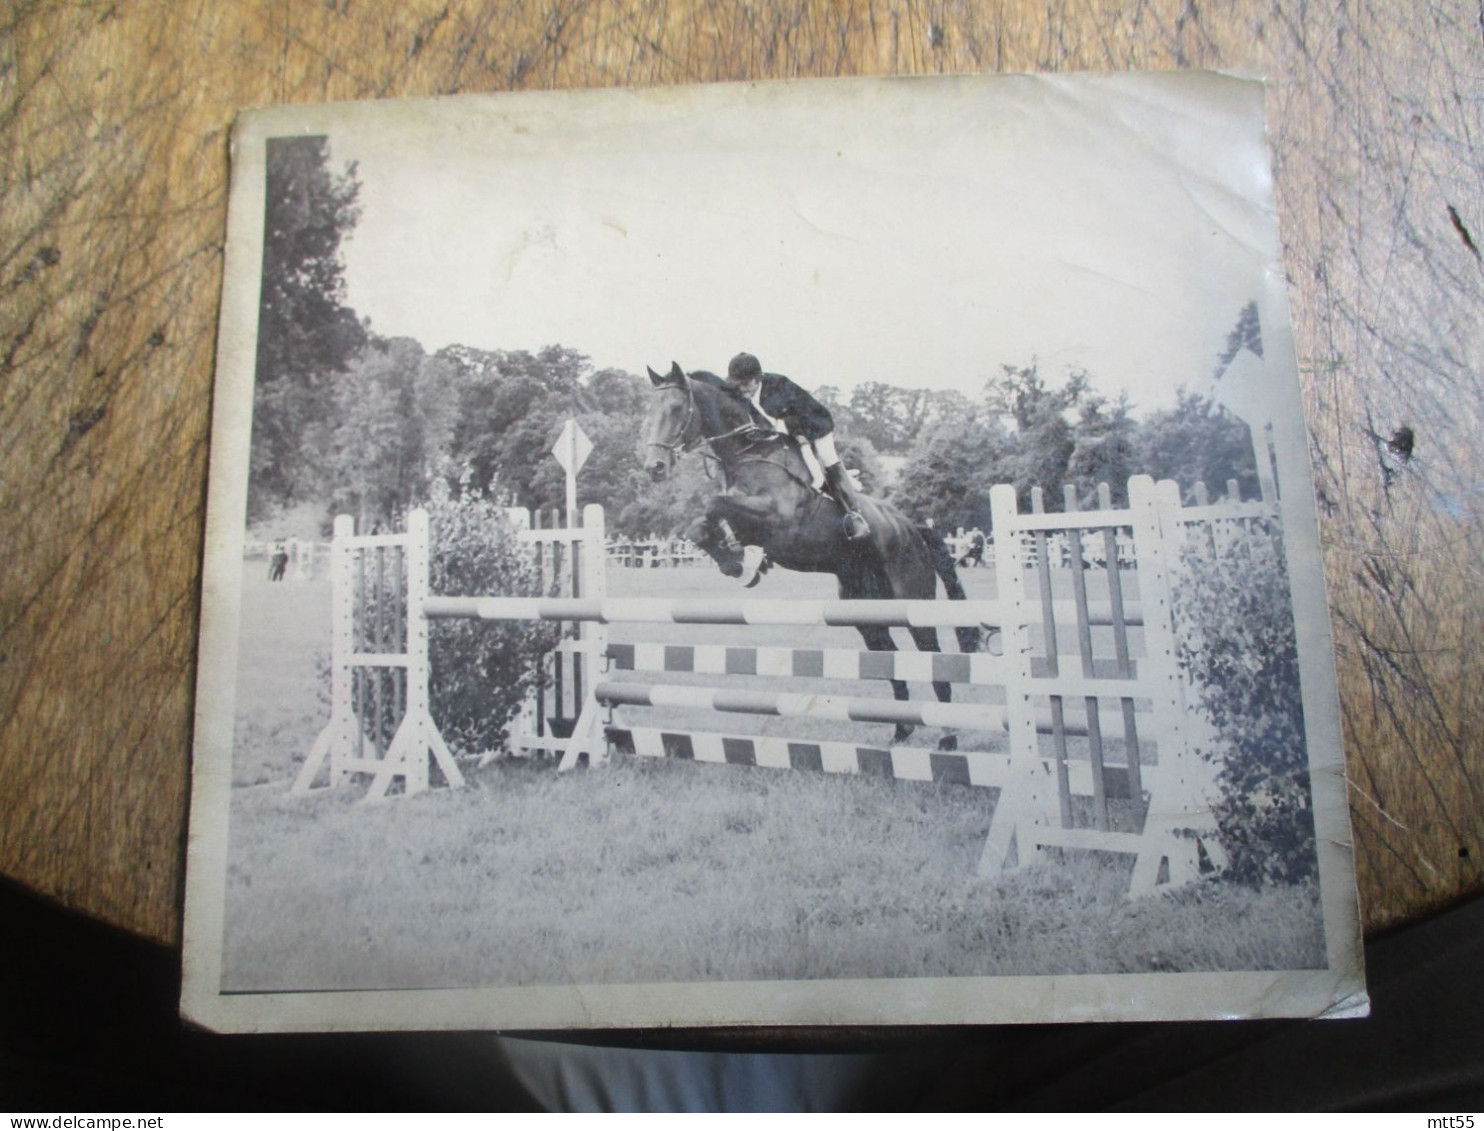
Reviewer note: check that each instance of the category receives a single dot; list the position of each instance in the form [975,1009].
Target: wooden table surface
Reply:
[114,120]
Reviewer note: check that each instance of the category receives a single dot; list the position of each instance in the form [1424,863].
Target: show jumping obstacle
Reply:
[1152,802]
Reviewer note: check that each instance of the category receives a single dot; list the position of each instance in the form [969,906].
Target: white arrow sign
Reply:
[572,447]
[571,450]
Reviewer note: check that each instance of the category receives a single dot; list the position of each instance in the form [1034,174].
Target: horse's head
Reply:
[671,423]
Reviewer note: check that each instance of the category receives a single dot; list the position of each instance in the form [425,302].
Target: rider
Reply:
[782,406]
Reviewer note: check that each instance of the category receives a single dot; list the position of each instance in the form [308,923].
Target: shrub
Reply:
[1238,647]
[482,670]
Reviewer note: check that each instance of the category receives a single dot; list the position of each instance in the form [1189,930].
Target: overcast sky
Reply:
[913,232]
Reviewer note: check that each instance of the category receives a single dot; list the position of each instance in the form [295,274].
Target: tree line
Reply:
[359,423]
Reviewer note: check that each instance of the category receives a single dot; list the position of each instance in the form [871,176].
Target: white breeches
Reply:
[818,455]
[811,462]
[824,447]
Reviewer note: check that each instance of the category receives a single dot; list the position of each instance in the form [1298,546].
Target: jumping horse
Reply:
[769,501]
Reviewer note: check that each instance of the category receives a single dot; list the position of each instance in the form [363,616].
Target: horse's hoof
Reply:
[903,733]
[948,742]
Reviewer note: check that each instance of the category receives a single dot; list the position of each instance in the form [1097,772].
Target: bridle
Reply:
[710,455]
[683,444]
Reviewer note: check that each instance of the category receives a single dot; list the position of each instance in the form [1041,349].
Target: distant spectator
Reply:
[279,562]
[975,553]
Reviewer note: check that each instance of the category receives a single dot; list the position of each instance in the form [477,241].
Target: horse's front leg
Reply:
[730,523]
[715,538]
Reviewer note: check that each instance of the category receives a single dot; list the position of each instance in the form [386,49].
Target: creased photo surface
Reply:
[812,553]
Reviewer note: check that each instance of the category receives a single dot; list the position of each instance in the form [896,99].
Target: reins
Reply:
[710,454]
[684,445]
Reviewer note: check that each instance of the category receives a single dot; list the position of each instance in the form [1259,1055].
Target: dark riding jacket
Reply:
[784,400]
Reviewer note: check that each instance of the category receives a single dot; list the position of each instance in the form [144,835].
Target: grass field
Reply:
[646,872]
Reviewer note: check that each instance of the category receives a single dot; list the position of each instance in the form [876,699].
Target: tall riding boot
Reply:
[843,491]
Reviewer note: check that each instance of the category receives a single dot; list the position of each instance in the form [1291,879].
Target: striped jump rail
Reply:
[808,705]
[802,705]
[981,669]
[980,768]
[906,763]
[659,610]
[807,663]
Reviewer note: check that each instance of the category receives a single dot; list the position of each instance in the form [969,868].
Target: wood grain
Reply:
[113,173]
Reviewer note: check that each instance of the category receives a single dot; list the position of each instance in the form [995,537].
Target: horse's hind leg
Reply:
[926,640]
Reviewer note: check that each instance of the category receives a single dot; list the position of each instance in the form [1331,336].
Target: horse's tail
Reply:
[947,571]
[943,564]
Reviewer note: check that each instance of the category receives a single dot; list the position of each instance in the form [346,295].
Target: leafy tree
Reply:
[888,416]
[831,398]
[1246,334]
[1045,438]
[945,404]
[512,408]
[306,333]
[1104,449]
[1197,441]
[619,394]
[558,369]
[393,421]
[847,420]
[669,507]
[949,474]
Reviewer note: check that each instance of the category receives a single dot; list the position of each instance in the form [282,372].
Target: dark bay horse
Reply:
[770,502]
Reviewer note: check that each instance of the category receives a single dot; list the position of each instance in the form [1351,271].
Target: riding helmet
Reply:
[743,367]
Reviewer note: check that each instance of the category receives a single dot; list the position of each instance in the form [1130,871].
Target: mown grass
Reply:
[658,872]
[677,872]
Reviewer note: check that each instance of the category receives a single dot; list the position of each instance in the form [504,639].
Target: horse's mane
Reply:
[720,412]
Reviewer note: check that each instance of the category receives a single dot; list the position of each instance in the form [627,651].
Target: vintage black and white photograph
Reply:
[797,554]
